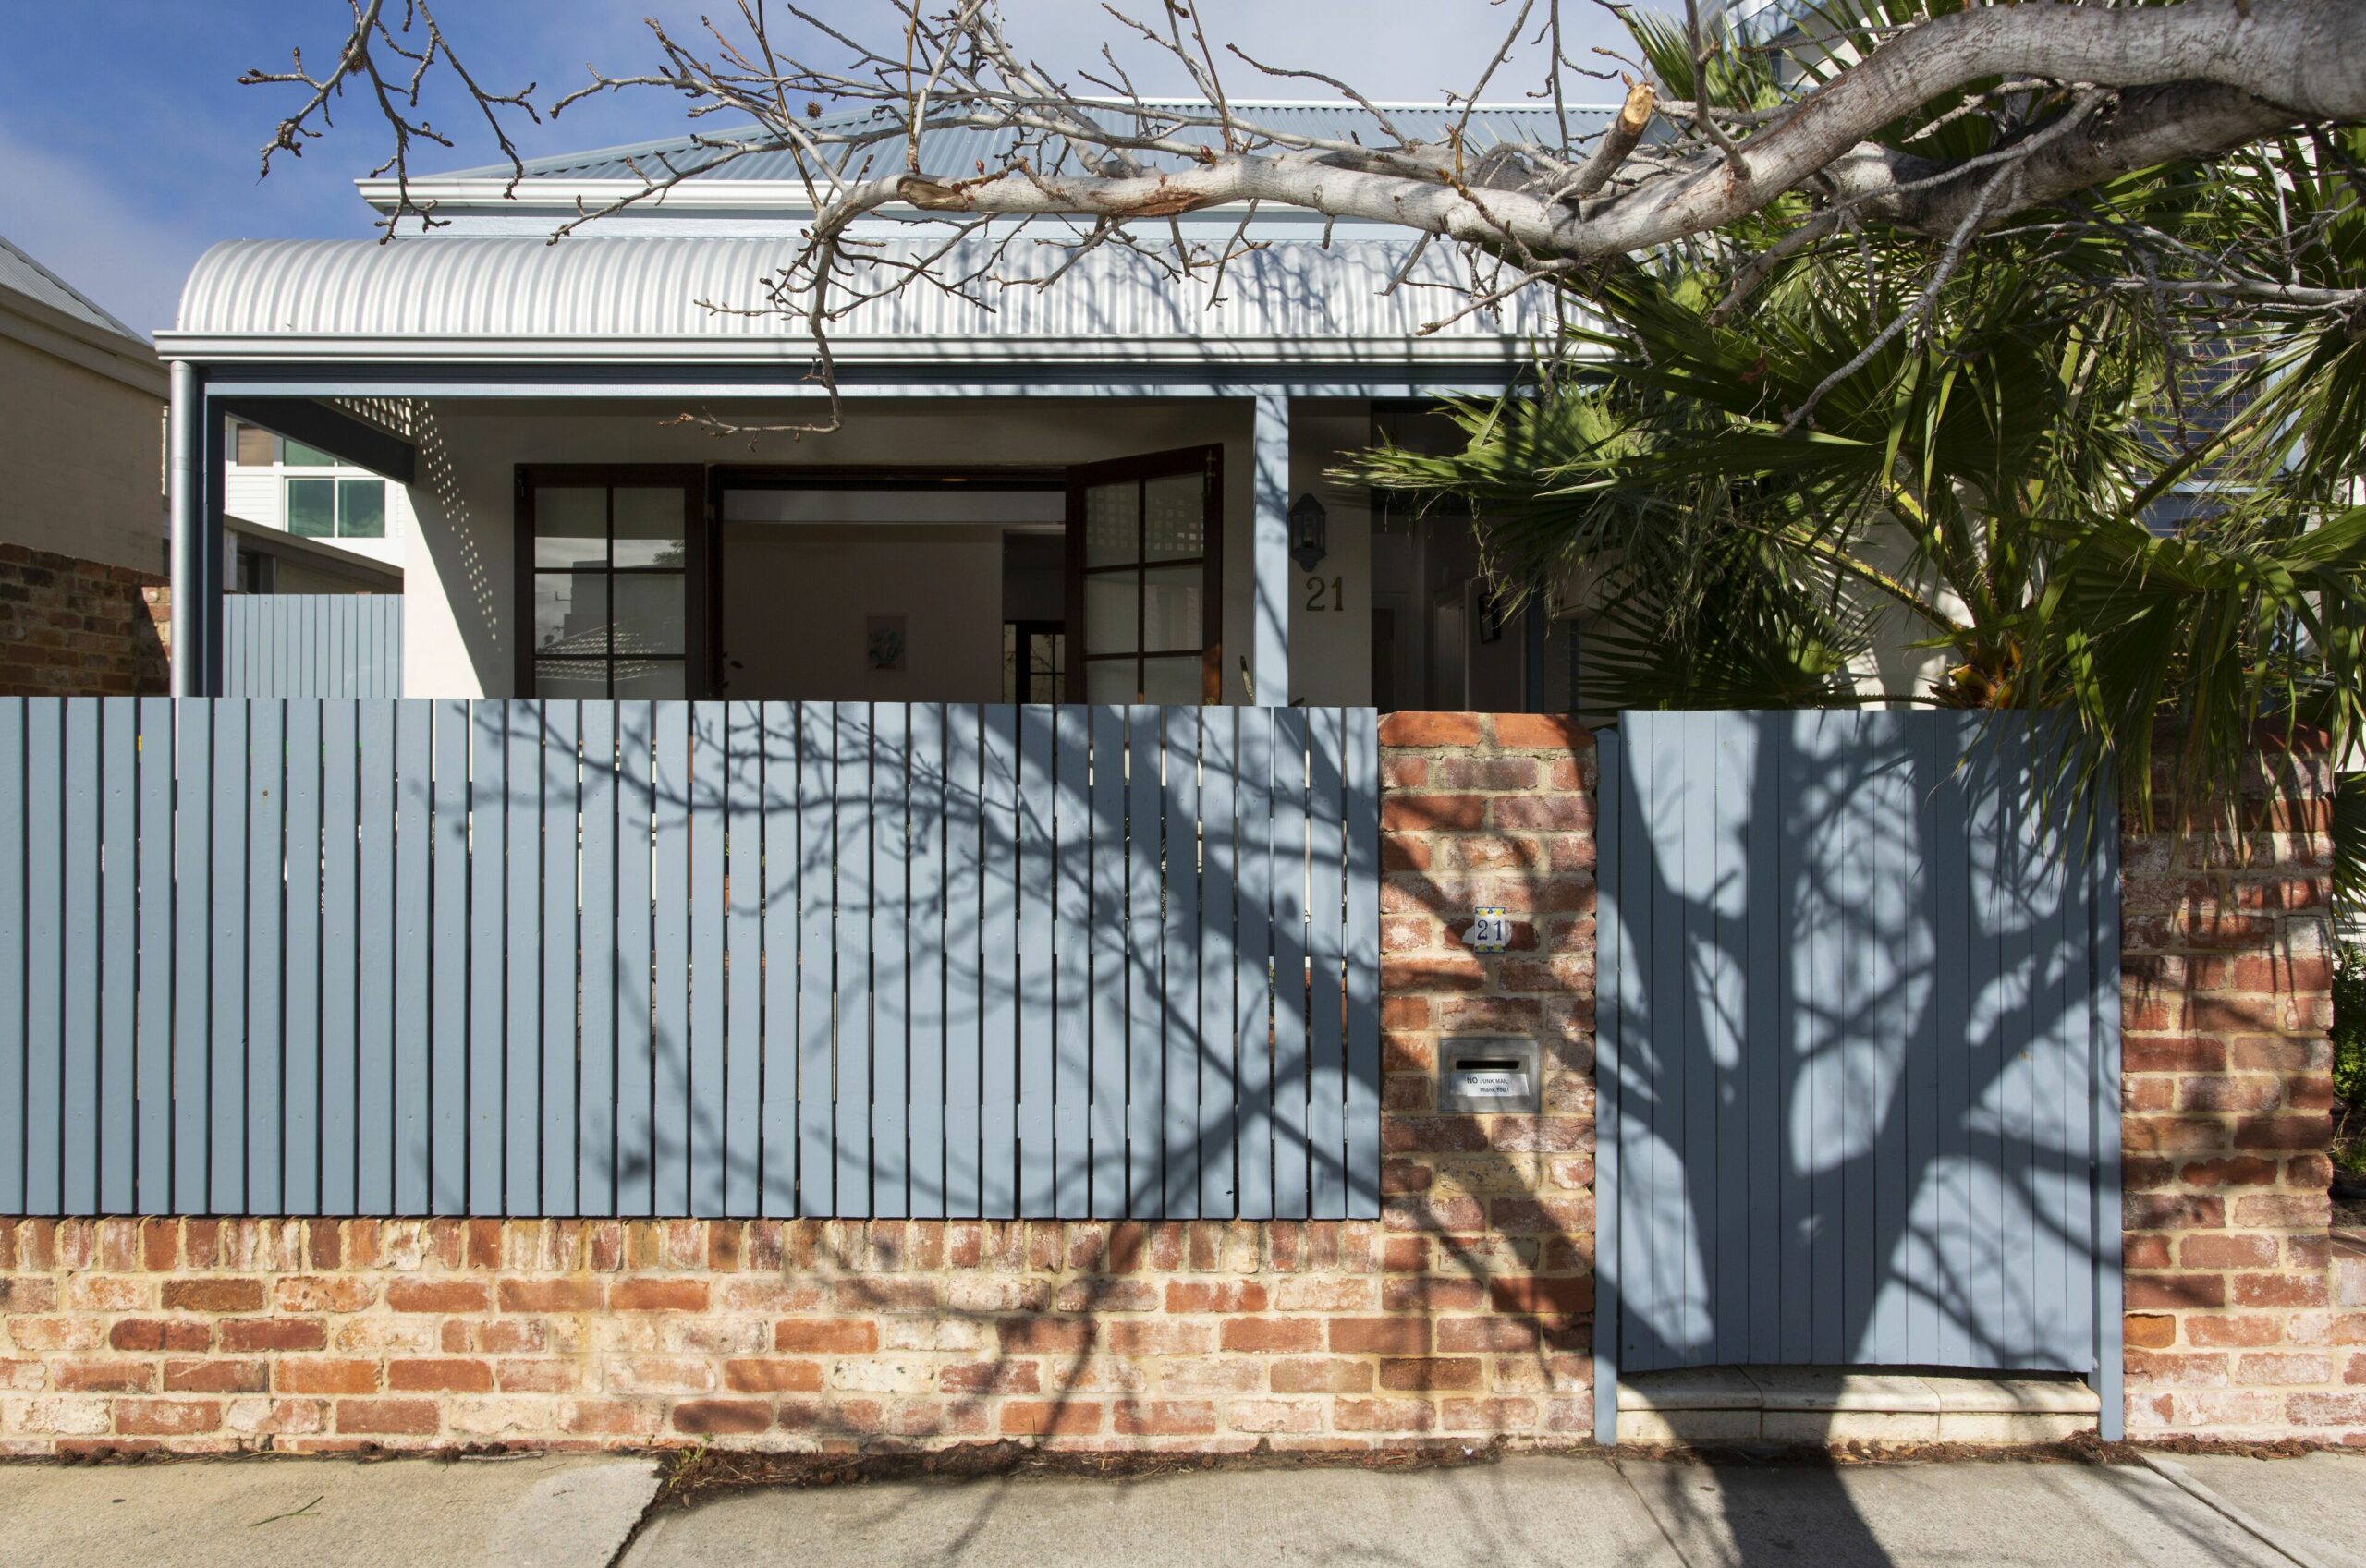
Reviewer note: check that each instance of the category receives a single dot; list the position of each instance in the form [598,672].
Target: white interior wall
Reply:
[797,601]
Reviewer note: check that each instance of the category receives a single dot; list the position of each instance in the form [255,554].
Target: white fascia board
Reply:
[290,347]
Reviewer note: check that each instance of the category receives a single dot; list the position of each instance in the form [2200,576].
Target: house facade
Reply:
[82,534]
[1037,995]
[569,521]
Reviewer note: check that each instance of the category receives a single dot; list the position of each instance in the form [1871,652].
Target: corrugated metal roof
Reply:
[960,151]
[1295,295]
[19,274]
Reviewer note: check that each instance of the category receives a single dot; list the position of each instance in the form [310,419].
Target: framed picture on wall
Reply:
[884,649]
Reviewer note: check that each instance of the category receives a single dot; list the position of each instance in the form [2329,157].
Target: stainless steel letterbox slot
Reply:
[1493,1073]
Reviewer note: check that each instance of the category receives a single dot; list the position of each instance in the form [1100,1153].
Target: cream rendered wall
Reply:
[82,462]
[1331,629]
[459,577]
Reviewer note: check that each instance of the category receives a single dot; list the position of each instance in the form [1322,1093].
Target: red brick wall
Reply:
[78,628]
[1463,1313]
[2240,1322]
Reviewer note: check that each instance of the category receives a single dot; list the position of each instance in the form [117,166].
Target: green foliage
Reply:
[2350,1031]
[1755,465]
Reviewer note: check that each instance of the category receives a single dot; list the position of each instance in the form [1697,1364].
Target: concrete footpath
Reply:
[536,1512]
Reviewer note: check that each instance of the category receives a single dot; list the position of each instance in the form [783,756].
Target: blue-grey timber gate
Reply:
[1859,1052]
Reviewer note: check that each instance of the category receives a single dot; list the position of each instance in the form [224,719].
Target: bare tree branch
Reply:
[2071,96]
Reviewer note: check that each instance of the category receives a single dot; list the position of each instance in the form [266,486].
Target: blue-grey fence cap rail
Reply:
[313,645]
[324,956]
[1858,1048]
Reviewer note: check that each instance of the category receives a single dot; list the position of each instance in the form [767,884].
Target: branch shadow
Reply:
[1857,991]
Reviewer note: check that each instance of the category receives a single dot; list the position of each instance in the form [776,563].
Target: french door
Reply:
[613,581]
[1145,578]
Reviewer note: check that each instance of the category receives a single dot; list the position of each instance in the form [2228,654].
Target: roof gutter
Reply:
[795,348]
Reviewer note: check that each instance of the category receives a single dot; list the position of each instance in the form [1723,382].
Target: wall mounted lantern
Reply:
[1309,531]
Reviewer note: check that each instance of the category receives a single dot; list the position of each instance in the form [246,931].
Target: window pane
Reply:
[649,527]
[1171,606]
[361,508]
[1174,521]
[649,613]
[302,457]
[570,677]
[258,448]
[312,507]
[1111,523]
[1009,661]
[650,677]
[1172,681]
[571,613]
[571,526]
[1111,613]
[1109,680]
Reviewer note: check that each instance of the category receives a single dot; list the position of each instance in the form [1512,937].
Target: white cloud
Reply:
[121,253]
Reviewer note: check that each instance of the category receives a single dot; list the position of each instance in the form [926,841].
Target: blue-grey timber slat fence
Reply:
[1859,1056]
[313,645]
[633,959]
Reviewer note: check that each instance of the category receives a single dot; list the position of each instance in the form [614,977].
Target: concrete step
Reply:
[1710,1405]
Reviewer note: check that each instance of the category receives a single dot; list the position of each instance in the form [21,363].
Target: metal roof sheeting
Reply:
[960,150]
[19,274]
[457,296]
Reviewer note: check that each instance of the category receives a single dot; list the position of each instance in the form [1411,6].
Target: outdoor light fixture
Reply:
[1309,531]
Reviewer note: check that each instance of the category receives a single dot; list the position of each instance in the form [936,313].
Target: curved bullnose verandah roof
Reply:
[675,296]
[669,278]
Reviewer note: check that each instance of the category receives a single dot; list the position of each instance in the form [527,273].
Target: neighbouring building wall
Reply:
[257,493]
[1463,1314]
[71,628]
[82,462]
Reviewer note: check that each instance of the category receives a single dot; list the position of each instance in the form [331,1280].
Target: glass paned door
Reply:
[1145,578]
[613,581]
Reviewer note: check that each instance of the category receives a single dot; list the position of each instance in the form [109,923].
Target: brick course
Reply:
[70,627]
[1464,1312]
[2239,1303]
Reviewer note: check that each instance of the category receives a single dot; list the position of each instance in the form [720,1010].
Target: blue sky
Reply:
[126,147]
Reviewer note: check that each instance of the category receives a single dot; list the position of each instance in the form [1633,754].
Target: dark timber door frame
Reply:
[698,529]
[1207,462]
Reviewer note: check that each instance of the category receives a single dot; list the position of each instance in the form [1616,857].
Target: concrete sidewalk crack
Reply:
[2183,1479]
[1648,1512]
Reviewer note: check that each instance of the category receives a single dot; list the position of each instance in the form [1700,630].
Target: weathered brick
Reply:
[658,1295]
[439,1295]
[442,1373]
[705,1416]
[242,1334]
[1413,730]
[330,1375]
[209,1294]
